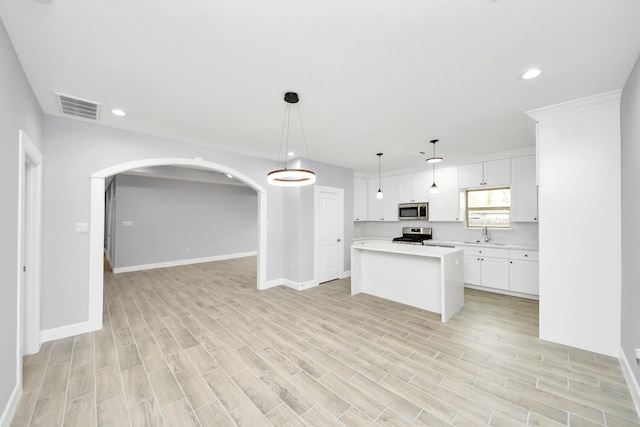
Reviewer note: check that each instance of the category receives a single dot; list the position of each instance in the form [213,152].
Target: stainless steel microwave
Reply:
[413,211]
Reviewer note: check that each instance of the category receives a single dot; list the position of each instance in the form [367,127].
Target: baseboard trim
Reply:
[346,274]
[299,286]
[631,379]
[66,331]
[11,407]
[502,291]
[180,262]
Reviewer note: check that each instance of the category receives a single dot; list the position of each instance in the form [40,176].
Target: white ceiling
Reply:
[372,75]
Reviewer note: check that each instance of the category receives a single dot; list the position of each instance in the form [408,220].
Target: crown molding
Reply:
[602,100]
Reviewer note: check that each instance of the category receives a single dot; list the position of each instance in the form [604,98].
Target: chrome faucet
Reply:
[485,234]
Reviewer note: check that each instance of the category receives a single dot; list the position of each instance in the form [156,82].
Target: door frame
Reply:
[316,229]
[97,218]
[29,247]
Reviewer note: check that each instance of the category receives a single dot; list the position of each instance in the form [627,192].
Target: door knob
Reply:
[339,240]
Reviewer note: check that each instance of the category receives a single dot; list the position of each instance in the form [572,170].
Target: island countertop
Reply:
[418,250]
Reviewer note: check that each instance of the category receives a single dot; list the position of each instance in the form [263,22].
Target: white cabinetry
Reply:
[445,206]
[413,187]
[524,191]
[523,272]
[360,208]
[486,267]
[494,173]
[385,209]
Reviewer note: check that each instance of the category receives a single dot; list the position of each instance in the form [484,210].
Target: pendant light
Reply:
[285,177]
[433,160]
[379,194]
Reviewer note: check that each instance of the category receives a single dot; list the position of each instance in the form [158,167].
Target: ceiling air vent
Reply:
[78,107]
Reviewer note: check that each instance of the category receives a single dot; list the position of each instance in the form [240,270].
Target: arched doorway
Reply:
[96,226]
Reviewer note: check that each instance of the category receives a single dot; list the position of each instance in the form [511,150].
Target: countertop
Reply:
[480,244]
[425,251]
[357,240]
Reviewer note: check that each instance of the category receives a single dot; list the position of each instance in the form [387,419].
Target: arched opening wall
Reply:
[96,227]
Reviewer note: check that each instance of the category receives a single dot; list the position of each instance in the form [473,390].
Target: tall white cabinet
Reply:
[579,190]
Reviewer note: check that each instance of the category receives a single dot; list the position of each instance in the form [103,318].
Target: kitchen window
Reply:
[488,208]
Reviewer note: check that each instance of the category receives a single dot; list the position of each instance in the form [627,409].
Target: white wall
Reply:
[173,220]
[580,232]
[74,150]
[18,110]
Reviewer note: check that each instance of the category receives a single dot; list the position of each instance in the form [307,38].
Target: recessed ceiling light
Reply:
[118,112]
[291,154]
[531,73]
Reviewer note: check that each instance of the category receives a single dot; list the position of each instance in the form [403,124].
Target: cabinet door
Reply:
[524,192]
[390,200]
[495,273]
[421,186]
[385,209]
[497,173]
[360,199]
[472,269]
[524,277]
[405,188]
[445,206]
[471,175]
[376,207]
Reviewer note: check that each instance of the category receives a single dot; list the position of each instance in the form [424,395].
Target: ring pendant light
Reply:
[295,177]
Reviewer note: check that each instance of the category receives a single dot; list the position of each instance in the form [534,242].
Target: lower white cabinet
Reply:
[523,272]
[502,269]
[487,267]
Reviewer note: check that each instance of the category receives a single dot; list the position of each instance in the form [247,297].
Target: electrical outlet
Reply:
[81,227]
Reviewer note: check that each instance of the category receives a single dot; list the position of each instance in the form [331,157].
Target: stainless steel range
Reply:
[413,235]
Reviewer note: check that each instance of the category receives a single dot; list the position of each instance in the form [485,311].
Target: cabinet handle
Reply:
[526,255]
[510,262]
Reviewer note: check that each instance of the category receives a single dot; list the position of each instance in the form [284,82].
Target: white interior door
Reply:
[329,214]
[30,231]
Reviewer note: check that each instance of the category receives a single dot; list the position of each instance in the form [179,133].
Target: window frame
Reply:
[487,208]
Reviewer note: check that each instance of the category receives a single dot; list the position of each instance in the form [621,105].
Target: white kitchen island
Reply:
[430,278]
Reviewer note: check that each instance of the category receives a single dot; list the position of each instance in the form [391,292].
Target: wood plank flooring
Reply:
[200,346]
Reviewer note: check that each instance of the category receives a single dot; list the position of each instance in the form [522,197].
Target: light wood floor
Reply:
[199,345]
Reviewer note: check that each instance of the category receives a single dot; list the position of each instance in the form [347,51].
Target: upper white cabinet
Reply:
[385,209]
[360,203]
[413,187]
[445,206]
[494,173]
[524,192]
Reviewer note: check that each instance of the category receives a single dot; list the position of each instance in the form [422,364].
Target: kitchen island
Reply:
[430,278]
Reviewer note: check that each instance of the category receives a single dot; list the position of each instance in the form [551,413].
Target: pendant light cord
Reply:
[379,157]
[284,139]
[304,138]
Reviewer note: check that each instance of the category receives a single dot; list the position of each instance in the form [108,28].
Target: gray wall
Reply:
[18,110]
[177,220]
[630,136]
[73,150]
